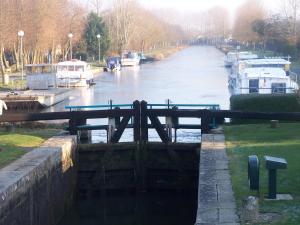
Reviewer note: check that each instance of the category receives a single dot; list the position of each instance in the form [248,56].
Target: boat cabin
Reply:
[264,80]
[74,73]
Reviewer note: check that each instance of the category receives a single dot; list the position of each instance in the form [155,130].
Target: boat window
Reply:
[79,68]
[70,68]
[278,88]
[253,85]
[268,65]
[62,68]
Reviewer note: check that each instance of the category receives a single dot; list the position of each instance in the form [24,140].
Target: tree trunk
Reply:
[6,65]
[53,53]
[34,57]
[17,58]
[2,67]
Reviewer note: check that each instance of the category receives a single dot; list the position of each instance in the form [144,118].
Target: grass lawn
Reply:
[15,144]
[260,139]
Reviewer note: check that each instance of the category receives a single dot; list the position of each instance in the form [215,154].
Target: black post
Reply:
[272,184]
[117,119]
[144,122]
[175,121]
[205,120]
[72,127]
[137,121]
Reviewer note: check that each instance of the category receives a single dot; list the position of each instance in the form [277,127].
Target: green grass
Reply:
[260,139]
[15,144]
[13,85]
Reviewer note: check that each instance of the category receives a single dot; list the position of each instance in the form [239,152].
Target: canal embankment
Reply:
[39,187]
[262,139]
[33,100]
[216,202]
[162,53]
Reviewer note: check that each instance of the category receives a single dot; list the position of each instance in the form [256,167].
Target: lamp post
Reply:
[99,47]
[70,36]
[21,35]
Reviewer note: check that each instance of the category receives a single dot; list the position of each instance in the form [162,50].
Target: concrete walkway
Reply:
[216,203]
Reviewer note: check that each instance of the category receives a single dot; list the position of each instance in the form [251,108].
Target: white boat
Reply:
[74,73]
[262,76]
[232,57]
[130,59]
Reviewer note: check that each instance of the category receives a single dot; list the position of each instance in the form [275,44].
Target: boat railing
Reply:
[278,90]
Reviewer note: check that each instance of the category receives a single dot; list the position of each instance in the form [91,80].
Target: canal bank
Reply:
[39,187]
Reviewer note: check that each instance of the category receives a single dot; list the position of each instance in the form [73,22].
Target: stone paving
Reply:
[216,203]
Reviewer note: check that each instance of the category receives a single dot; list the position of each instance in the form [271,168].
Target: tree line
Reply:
[46,25]
[278,31]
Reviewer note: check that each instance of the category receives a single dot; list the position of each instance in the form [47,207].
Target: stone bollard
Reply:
[250,209]
[274,123]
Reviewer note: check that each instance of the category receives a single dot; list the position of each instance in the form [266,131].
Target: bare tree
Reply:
[247,13]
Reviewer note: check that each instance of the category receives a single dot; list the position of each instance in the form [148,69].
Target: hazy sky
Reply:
[197,5]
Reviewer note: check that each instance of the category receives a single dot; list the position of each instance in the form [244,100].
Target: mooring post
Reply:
[137,121]
[144,122]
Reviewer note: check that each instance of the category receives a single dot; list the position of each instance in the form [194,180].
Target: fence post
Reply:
[144,122]
[137,121]
[205,121]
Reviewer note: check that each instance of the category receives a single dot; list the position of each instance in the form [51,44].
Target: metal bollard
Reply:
[272,165]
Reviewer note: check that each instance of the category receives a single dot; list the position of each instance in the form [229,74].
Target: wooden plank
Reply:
[286,116]
[187,113]
[160,129]
[92,114]
[117,135]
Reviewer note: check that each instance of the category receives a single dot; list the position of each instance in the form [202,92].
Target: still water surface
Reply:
[194,75]
[138,209]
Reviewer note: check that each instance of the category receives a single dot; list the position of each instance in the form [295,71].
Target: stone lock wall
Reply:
[38,188]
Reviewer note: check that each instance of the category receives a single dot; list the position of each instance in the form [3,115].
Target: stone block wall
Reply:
[39,188]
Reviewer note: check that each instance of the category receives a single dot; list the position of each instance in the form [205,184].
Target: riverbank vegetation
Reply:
[16,141]
[258,28]
[261,140]
[265,103]
[47,25]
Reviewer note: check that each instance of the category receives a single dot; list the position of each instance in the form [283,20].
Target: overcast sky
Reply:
[196,5]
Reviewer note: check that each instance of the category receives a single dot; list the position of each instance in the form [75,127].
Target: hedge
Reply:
[264,103]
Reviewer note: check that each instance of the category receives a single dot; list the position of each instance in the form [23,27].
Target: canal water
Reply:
[195,75]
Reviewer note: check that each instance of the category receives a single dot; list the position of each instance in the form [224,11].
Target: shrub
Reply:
[264,103]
